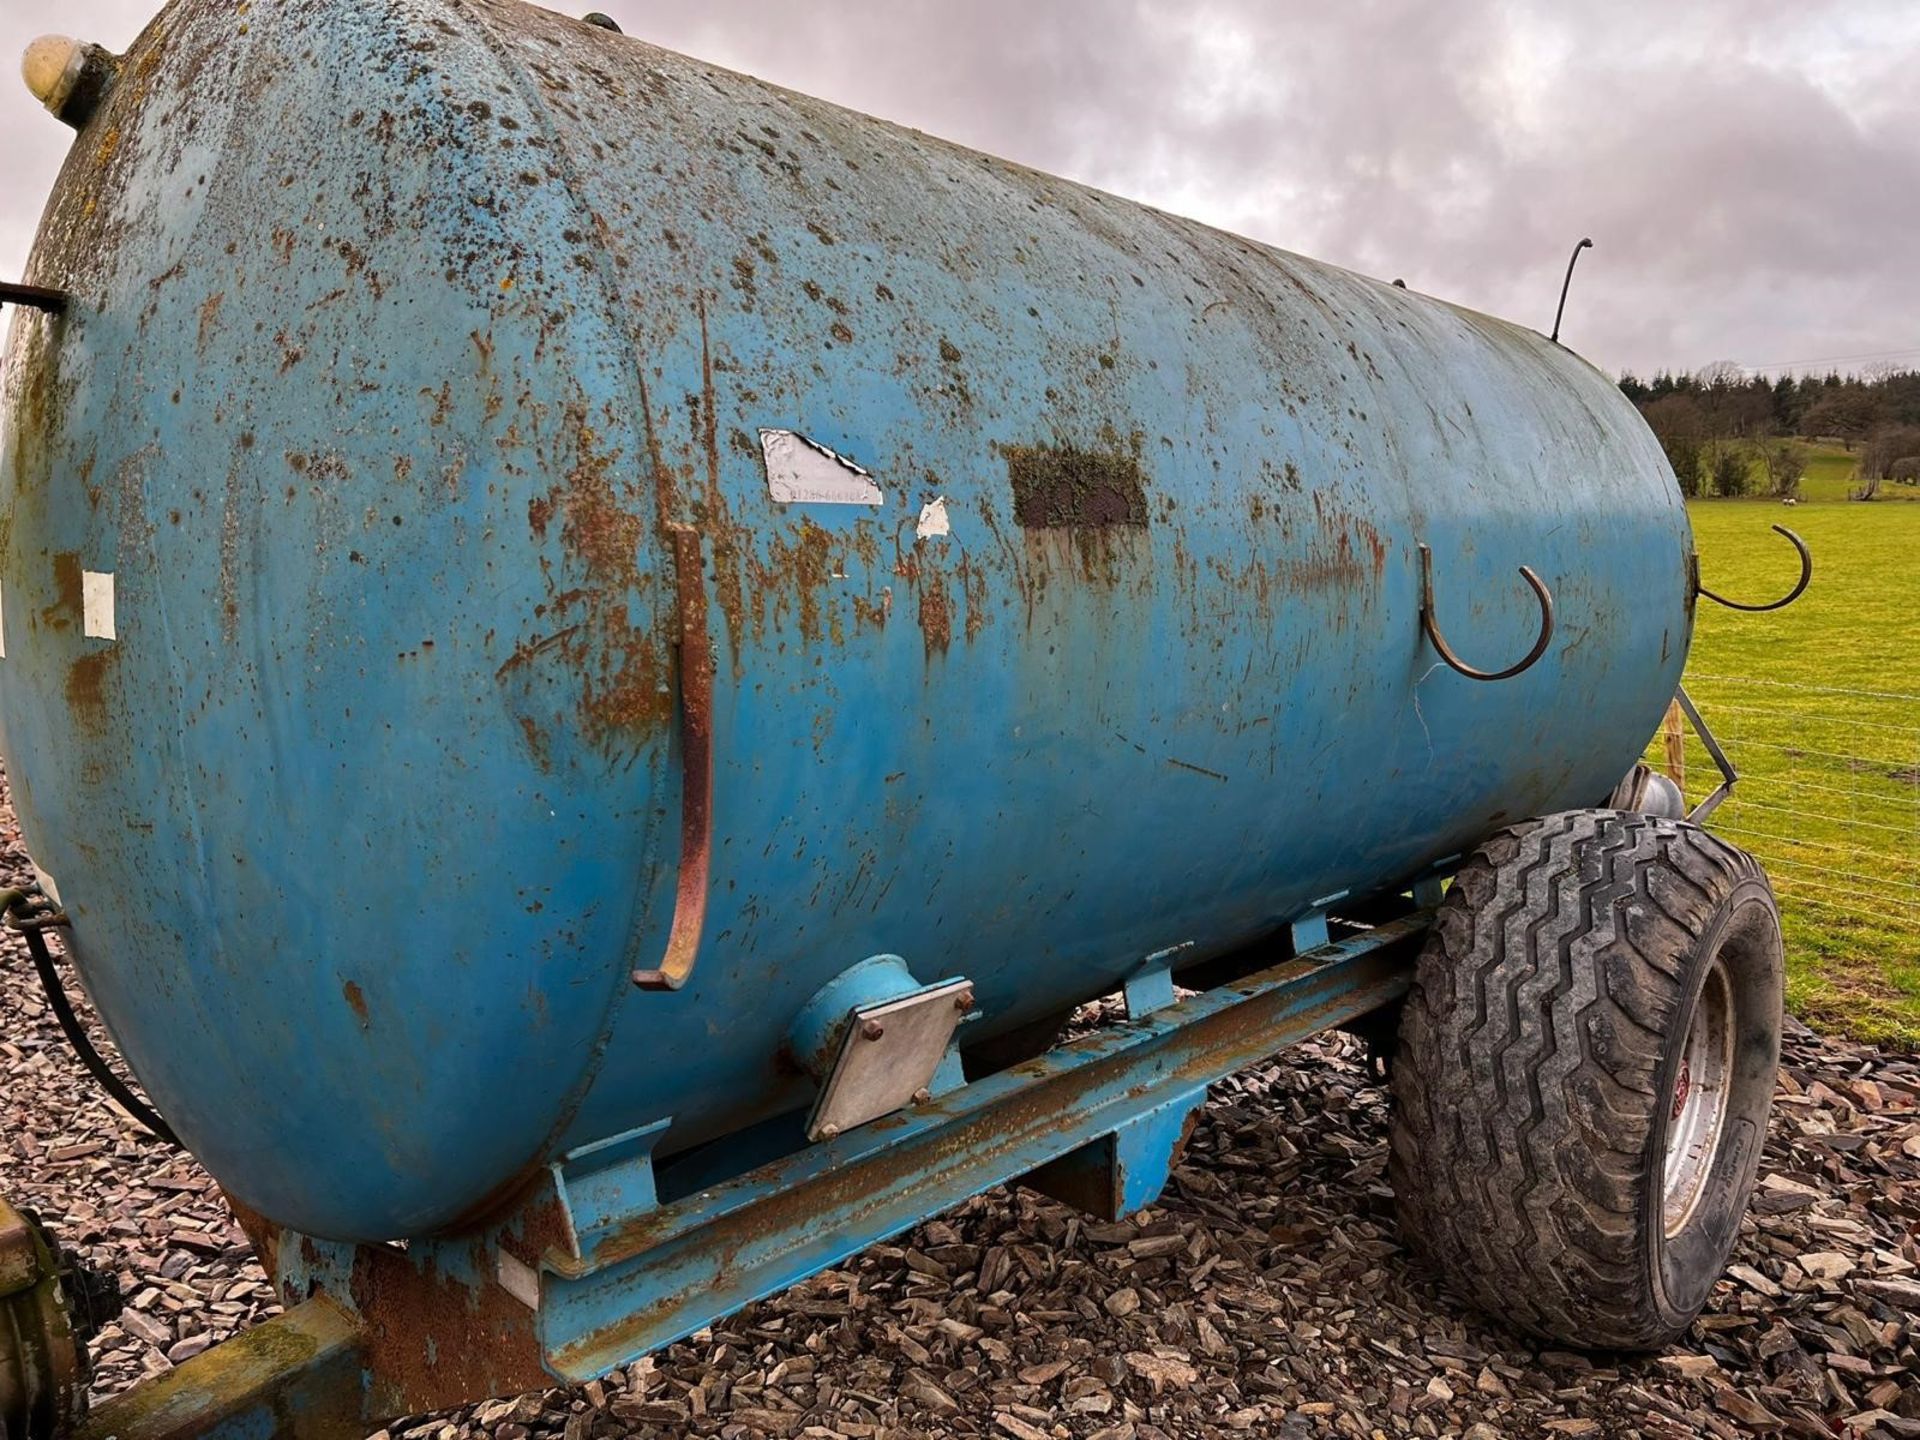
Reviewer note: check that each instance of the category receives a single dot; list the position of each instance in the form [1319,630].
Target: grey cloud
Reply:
[1750,169]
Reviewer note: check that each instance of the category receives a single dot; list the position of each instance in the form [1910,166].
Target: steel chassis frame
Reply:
[591,1270]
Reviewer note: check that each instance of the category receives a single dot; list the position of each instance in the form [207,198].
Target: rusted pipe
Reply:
[696,770]
[34,297]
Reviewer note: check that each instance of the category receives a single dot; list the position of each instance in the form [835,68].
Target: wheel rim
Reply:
[1699,1102]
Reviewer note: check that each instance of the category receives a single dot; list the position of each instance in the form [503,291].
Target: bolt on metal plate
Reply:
[888,1055]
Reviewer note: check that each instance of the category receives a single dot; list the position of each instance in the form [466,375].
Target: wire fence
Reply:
[1828,800]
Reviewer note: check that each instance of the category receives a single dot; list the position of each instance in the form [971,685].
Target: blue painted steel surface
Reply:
[401,329]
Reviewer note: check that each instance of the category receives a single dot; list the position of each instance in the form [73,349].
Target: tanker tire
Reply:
[1540,1058]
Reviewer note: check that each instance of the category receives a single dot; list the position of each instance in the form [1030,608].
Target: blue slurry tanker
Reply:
[597,654]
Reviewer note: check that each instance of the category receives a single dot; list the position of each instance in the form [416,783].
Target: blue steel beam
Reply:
[676,1270]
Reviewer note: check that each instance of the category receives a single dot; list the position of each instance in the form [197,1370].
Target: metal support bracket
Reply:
[1729,777]
[601,1186]
[890,1055]
[1151,987]
[1123,1173]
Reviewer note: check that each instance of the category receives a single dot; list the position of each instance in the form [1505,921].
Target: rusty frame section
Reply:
[43,1361]
[696,770]
[1430,623]
[297,1377]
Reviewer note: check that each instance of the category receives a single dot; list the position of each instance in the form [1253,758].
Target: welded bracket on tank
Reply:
[599,1187]
[686,1265]
[1729,777]
[1311,931]
[1151,988]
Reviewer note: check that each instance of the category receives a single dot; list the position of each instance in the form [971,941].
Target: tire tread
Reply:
[1530,1051]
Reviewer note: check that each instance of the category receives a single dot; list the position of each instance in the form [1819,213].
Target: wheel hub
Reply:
[1701,1093]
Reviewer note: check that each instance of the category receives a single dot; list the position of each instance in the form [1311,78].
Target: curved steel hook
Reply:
[1561,313]
[1430,623]
[1806,579]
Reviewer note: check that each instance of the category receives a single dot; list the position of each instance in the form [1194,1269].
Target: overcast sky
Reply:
[1749,169]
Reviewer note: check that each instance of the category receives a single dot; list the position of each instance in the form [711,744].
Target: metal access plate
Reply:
[888,1056]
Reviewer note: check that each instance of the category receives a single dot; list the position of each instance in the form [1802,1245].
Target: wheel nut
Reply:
[923,1097]
[873,1030]
[963,1002]
[829,1132]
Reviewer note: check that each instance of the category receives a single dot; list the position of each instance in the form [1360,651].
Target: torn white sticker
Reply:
[518,1279]
[934,521]
[804,472]
[96,605]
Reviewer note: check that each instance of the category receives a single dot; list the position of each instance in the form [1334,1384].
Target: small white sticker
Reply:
[96,605]
[803,472]
[934,521]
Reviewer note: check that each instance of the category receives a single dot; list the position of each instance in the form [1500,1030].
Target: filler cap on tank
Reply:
[69,77]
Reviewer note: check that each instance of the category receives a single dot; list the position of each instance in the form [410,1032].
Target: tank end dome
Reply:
[69,77]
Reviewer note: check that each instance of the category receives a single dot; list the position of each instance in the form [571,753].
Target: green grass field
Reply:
[1832,474]
[1816,706]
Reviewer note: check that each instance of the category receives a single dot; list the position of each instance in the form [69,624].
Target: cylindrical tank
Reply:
[1060,559]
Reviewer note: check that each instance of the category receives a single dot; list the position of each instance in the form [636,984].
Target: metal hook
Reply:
[1560,314]
[1430,623]
[1806,579]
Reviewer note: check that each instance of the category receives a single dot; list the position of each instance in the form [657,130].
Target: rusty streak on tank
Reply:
[936,611]
[610,651]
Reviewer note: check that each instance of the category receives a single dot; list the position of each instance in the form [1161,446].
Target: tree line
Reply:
[1730,433]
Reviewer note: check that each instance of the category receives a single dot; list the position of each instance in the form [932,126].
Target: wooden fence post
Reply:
[1676,730]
